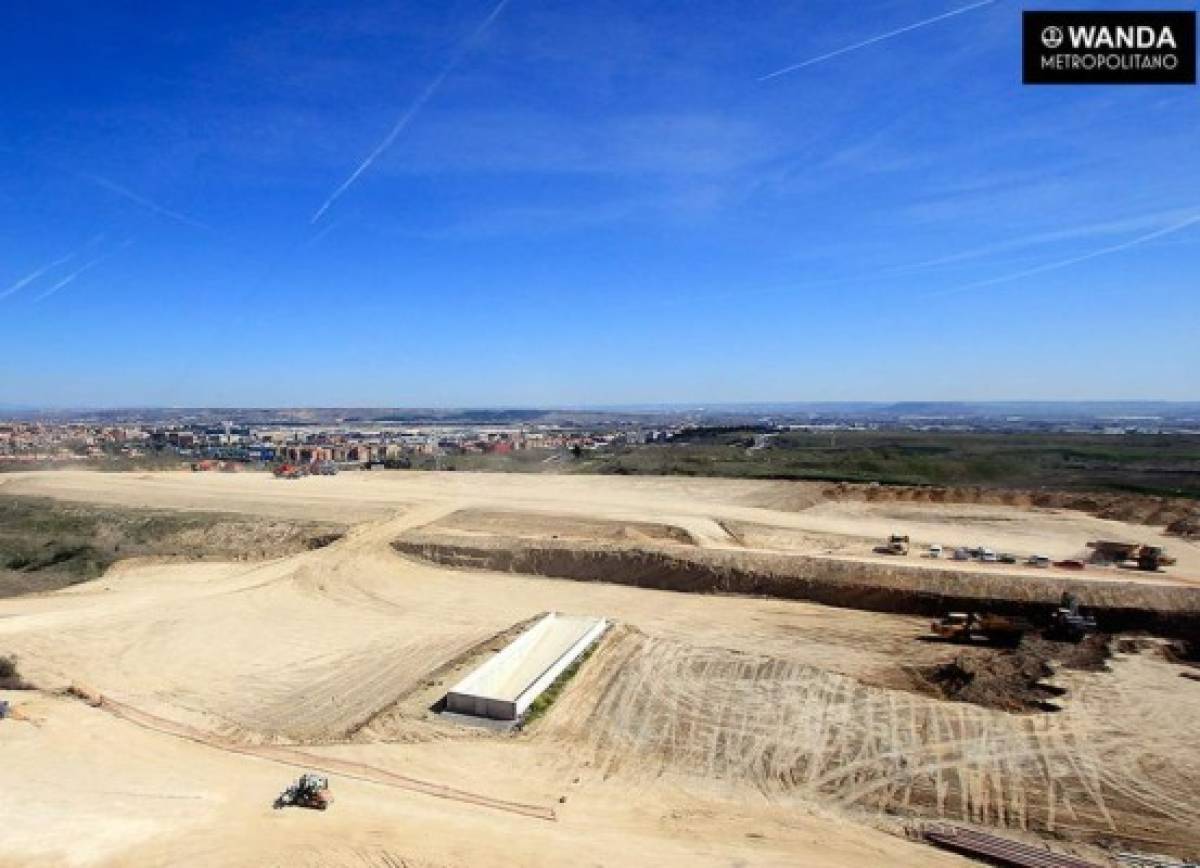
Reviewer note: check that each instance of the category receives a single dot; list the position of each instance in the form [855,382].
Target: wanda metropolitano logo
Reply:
[1126,47]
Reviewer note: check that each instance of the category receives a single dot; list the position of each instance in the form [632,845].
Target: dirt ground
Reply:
[704,730]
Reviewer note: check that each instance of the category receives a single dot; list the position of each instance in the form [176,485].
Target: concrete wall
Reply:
[475,695]
[559,666]
[505,686]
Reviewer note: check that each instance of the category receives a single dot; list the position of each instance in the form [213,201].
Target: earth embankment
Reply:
[900,588]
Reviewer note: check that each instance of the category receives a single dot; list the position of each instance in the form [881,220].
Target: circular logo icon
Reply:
[1052,37]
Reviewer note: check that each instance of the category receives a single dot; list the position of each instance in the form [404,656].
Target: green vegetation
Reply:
[542,704]
[38,537]
[1130,463]
[112,462]
[47,544]
[1148,464]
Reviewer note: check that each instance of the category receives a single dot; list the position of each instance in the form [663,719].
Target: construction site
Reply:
[554,669]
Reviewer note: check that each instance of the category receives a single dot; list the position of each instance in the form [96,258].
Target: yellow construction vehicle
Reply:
[969,627]
[1151,558]
[1147,557]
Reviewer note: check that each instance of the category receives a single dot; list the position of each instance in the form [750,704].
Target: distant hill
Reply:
[645,414]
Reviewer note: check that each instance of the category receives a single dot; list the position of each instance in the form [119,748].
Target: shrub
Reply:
[542,704]
[10,679]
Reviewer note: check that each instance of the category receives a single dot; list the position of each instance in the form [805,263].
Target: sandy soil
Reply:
[700,508]
[704,730]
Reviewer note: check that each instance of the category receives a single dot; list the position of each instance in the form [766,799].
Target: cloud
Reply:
[154,207]
[667,143]
[874,39]
[413,110]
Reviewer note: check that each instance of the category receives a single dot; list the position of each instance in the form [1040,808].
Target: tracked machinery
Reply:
[1068,623]
[310,791]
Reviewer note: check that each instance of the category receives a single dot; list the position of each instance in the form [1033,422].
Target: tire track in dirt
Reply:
[787,728]
[326,701]
[296,758]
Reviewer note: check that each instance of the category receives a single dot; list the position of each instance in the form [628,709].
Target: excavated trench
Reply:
[1168,611]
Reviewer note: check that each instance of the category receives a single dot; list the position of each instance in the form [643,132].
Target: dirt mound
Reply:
[1014,680]
[537,525]
[1178,515]
[1007,682]
[1187,527]
[1090,655]
[786,496]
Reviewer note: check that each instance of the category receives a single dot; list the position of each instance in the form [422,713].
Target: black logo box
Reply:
[1034,48]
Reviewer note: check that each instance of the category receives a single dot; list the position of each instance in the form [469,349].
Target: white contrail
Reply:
[36,273]
[78,271]
[1072,233]
[1084,257]
[413,110]
[323,231]
[880,38]
[70,277]
[145,203]
[50,266]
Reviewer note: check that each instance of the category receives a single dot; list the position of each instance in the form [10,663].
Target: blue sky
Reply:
[592,202]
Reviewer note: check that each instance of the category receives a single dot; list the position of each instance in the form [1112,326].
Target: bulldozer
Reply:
[1067,623]
[311,791]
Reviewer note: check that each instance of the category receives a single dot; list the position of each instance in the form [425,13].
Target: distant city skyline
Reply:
[1183,412]
[511,204]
